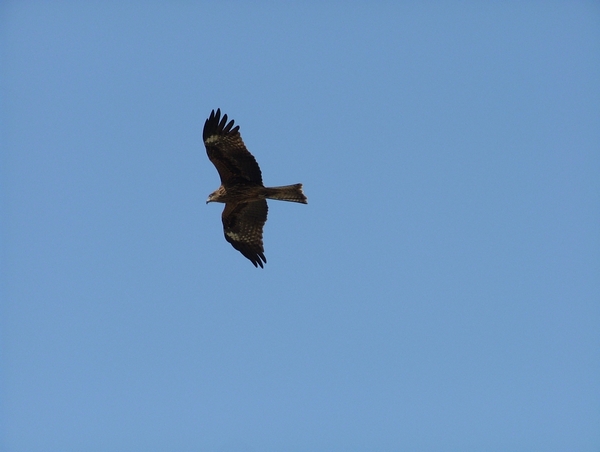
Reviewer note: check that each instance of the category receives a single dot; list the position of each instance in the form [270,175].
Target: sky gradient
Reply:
[440,291]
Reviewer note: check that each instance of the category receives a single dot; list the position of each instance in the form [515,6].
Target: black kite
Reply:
[241,189]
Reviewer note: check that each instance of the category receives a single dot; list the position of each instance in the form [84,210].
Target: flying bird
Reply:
[241,189]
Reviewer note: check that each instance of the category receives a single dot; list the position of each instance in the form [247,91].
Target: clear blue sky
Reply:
[440,291]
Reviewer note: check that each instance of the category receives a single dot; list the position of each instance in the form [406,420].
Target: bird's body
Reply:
[241,189]
[251,192]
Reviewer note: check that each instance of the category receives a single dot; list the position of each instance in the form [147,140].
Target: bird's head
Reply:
[216,195]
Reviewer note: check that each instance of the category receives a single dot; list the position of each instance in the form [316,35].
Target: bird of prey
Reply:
[241,189]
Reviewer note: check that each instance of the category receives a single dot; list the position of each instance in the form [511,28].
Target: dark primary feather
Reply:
[243,227]
[227,151]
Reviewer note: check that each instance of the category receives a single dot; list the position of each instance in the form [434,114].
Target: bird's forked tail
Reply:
[291,193]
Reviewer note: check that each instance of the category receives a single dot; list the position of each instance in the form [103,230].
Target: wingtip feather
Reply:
[217,125]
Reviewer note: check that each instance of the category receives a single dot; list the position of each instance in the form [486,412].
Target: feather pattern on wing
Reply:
[227,151]
[243,227]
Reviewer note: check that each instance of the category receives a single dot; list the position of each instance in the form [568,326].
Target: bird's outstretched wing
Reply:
[243,227]
[227,151]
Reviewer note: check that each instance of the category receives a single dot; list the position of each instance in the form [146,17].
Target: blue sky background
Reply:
[440,291]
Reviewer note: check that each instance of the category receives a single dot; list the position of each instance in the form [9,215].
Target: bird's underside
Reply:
[241,188]
[255,192]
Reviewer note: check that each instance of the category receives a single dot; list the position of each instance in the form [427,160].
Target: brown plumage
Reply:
[241,189]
